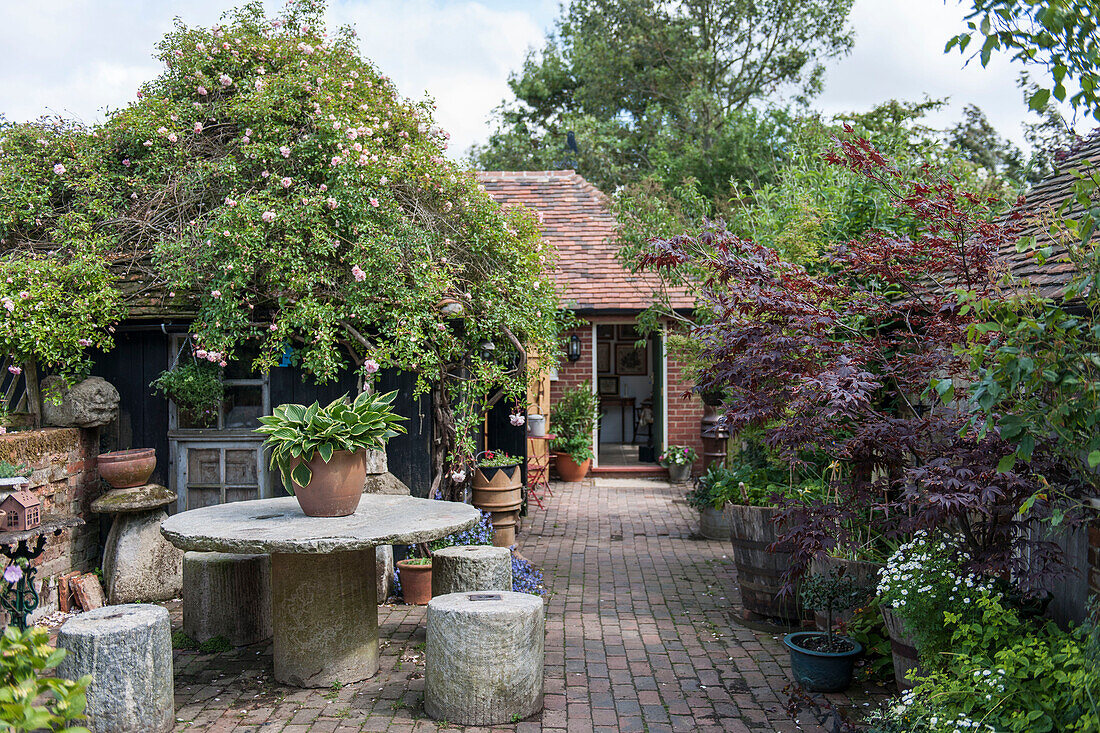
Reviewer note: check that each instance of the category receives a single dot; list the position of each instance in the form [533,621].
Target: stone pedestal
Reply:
[138,564]
[484,657]
[383,572]
[128,652]
[380,481]
[325,618]
[471,568]
[227,595]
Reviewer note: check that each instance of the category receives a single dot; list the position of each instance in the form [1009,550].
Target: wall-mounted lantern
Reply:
[574,350]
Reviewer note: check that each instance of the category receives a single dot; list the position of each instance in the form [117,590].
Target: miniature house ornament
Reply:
[23,511]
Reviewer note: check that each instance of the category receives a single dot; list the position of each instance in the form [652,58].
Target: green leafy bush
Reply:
[749,483]
[574,415]
[10,470]
[30,701]
[297,431]
[195,387]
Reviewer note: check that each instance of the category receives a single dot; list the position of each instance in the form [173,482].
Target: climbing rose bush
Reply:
[274,182]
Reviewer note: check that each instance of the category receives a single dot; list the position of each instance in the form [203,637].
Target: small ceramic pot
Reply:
[416,582]
[124,469]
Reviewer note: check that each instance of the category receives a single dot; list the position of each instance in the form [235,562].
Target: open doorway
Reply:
[629,378]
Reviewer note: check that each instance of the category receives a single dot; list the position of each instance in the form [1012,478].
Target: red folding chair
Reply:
[538,477]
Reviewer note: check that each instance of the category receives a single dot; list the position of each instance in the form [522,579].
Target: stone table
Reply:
[138,565]
[324,607]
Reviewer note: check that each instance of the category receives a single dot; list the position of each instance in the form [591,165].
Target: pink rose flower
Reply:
[374,202]
[272,327]
[172,137]
[225,80]
[268,216]
[201,353]
[358,274]
[331,202]
[286,182]
[198,127]
[285,151]
[336,160]
[126,162]
[85,342]
[517,419]
[202,91]
[216,293]
[59,170]
[15,370]
[323,188]
[370,366]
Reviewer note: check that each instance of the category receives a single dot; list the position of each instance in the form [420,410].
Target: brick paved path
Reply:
[639,638]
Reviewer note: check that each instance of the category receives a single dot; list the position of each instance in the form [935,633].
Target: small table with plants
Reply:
[324,610]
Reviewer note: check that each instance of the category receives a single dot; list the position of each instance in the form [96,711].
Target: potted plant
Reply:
[124,469]
[13,476]
[321,451]
[497,489]
[678,459]
[709,496]
[415,574]
[574,415]
[197,390]
[823,661]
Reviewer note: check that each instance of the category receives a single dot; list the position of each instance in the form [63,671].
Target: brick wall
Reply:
[65,479]
[572,373]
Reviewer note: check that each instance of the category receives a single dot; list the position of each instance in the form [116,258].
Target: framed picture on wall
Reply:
[630,361]
[628,332]
[605,332]
[608,386]
[603,357]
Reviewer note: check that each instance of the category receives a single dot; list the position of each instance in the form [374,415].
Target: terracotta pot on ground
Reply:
[336,486]
[416,582]
[759,572]
[569,470]
[499,491]
[124,469]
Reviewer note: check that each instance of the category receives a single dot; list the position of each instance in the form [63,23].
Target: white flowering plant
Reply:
[923,580]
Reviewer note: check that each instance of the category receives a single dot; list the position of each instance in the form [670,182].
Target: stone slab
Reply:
[138,564]
[128,652]
[279,526]
[465,568]
[134,499]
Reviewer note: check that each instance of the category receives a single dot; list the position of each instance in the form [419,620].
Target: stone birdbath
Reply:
[323,585]
[138,565]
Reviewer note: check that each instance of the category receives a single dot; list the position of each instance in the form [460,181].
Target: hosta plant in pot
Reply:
[823,661]
[321,451]
[678,459]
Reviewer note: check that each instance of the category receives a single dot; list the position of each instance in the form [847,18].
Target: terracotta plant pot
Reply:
[499,491]
[124,469]
[336,486]
[569,470]
[416,582]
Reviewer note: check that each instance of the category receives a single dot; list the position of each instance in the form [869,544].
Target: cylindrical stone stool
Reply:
[227,595]
[128,652]
[467,568]
[484,657]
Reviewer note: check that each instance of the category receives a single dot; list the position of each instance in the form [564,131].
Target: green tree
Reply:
[1059,36]
[629,88]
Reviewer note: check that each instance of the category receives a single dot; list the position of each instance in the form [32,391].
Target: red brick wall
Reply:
[65,479]
[572,373]
[685,415]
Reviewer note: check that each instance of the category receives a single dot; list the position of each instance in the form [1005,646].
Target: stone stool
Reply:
[484,657]
[138,563]
[128,652]
[227,595]
[468,568]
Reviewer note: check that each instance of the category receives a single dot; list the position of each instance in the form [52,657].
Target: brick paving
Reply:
[640,636]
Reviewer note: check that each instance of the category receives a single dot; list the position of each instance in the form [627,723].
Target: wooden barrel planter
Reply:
[903,646]
[862,572]
[499,492]
[759,572]
[713,525]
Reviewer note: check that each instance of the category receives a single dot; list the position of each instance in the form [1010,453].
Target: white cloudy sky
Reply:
[78,57]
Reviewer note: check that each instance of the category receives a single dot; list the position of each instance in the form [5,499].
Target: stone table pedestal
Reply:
[138,565]
[323,594]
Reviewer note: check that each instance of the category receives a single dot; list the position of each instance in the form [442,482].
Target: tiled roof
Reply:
[24,498]
[1044,198]
[577,220]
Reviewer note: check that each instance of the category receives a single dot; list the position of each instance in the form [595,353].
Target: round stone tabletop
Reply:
[279,526]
